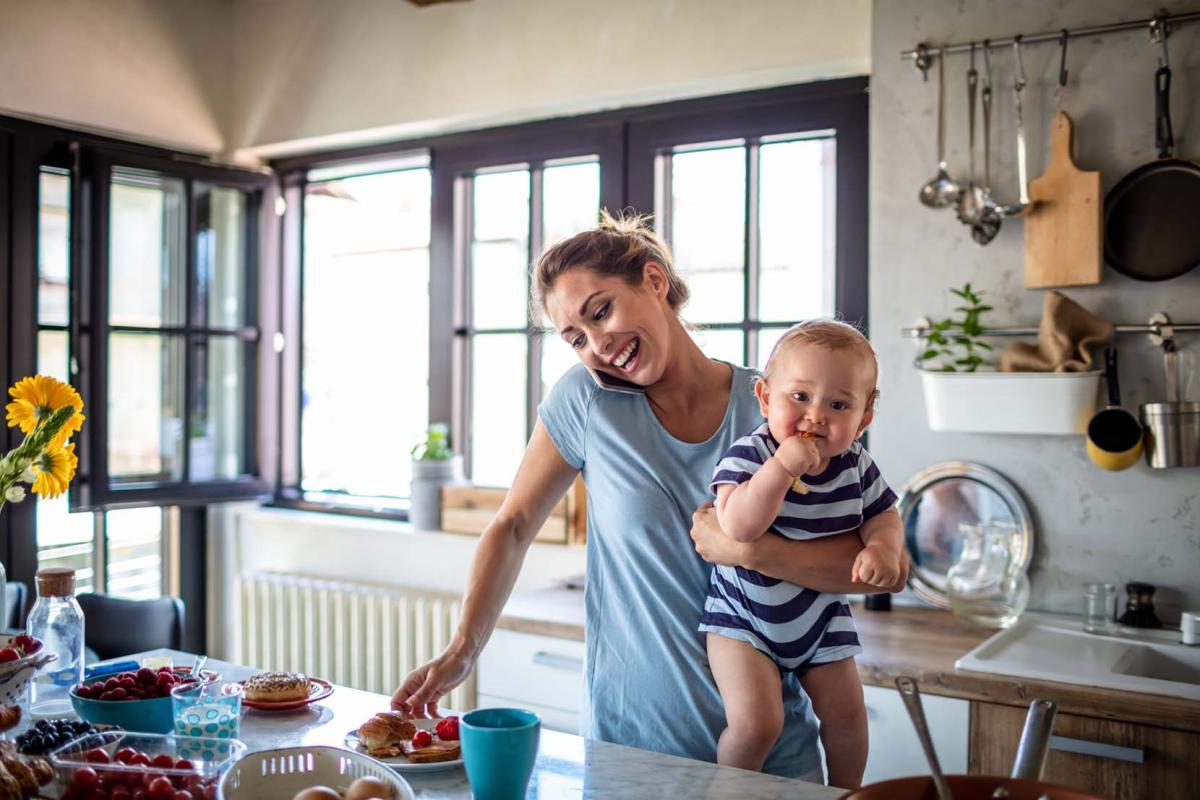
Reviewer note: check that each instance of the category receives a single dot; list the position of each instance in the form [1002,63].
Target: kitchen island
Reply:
[567,766]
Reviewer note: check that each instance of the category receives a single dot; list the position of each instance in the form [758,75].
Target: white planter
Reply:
[428,478]
[1011,402]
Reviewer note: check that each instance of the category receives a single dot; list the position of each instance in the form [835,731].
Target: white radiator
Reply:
[365,636]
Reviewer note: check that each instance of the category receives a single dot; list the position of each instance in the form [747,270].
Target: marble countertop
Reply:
[567,766]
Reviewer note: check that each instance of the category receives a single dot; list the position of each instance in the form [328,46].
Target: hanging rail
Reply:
[922,53]
[922,331]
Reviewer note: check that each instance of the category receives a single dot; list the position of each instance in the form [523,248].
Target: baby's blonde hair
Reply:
[831,334]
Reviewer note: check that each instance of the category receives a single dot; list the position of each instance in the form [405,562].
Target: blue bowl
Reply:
[153,715]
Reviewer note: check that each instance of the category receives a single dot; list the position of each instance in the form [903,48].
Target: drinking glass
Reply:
[1099,607]
[209,710]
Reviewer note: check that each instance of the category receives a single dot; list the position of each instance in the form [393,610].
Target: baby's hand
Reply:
[798,454]
[876,565]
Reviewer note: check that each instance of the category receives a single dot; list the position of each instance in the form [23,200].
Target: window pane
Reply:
[366,332]
[54,242]
[721,345]
[147,258]
[134,537]
[221,257]
[145,407]
[557,358]
[570,200]
[63,539]
[766,342]
[498,435]
[216,435]
[500,250]
[708,221]
[796,229]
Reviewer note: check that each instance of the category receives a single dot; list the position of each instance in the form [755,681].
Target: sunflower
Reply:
[36,398]
[55,467]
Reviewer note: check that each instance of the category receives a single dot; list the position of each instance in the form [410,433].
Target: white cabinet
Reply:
[894,748]
[540,673]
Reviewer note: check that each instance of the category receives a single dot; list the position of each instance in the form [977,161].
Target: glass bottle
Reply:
[57,620]
[987,585]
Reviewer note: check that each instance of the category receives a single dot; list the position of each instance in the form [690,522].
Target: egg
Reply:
[369,788]
[318,793]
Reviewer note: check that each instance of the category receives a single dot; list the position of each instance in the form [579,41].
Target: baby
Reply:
[803,474]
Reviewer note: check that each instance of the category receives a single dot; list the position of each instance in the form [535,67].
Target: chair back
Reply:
[115,626]
[16,598]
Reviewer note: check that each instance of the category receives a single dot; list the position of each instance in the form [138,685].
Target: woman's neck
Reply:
[690,378]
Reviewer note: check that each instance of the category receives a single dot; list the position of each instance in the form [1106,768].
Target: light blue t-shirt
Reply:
[647,677]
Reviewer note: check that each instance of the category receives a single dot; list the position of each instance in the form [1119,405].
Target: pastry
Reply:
[276,687]
[385,730]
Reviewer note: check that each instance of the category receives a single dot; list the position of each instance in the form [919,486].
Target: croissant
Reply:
[23,774]
[385,728]
[9,717]
[41,770]
[10,787]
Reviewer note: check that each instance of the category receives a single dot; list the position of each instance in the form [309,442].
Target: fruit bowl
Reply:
[21,657]
[144,707]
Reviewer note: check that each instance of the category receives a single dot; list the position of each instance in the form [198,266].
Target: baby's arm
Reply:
[746,510]
[879,561]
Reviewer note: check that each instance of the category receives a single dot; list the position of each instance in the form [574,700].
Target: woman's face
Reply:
[614,327]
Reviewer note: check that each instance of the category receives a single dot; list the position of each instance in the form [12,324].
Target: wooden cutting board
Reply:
[1064,231]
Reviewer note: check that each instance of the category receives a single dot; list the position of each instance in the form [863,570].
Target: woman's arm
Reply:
[822,564]
[542,479]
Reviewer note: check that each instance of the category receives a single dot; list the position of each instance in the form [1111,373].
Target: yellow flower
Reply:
[55,467]
[36,398]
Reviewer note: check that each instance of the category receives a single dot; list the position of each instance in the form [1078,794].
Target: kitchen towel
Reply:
[1066,336]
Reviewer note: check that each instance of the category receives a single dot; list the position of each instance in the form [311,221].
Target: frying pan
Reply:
[1150,230]
[1114,436]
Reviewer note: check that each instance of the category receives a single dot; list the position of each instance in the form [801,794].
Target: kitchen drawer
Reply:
[554,719]
[894,749]
[1111,758]
[535,670]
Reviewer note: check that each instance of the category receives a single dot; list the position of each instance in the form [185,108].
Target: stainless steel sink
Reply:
[1051,647]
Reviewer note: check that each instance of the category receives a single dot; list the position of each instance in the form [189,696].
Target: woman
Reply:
[647,446]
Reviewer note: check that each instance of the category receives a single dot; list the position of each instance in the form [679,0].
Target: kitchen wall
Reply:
[1141,524]
[328,74]
[153,70]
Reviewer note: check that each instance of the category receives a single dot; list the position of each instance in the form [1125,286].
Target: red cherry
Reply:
[140,794]
[96,756]
[85,778]
[163,761]
[119,793]
[210,792]
[140,758]
[422,738]
[183,763]
[181,794]
[8,654]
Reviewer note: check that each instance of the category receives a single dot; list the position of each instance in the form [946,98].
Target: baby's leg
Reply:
[837,699]
[753,694]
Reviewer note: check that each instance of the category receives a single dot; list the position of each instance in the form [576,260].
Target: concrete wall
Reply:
[154,70]
[329,74]
[1141,524]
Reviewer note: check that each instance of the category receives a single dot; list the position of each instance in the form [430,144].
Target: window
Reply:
[762,196]
[365,370]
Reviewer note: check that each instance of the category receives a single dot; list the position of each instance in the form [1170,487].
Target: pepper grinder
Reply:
[1139,607]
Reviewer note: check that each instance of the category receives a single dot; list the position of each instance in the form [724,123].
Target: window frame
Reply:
[626,141]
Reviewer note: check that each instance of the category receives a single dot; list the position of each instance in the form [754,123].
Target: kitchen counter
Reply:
[567,766]
[919,641]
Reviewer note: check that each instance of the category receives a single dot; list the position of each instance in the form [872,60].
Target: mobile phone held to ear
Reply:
[613,383]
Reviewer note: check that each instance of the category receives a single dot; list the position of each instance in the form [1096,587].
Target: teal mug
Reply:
[499,746]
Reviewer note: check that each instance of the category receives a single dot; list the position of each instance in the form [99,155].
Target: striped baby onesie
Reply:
[796,627]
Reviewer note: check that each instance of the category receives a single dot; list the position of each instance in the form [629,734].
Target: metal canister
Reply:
[1172,433]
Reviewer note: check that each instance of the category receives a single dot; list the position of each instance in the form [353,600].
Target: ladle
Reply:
[912,701]
[941,190]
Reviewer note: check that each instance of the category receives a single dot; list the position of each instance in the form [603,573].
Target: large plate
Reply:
[317,690]
[401,763]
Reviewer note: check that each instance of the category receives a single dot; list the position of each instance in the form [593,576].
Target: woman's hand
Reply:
[711,542]
[418,696]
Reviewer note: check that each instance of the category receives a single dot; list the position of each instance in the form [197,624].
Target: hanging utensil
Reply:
[1114,436]
[1150,230]
[988,224]
[1023,205]
[970,199]
[1035,741]
[1172,428]
[941,190]
[912,701]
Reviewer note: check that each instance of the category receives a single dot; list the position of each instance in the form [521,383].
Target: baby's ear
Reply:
[866,420]
[762,392]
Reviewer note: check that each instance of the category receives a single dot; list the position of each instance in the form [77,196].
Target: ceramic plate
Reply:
[317,690]
[401,763]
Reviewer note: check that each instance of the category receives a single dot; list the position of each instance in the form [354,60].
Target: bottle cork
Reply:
[55,582]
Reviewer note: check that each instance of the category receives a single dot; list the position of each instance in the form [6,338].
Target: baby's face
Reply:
[816,390]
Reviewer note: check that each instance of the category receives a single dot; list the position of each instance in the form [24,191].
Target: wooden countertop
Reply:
[918,641]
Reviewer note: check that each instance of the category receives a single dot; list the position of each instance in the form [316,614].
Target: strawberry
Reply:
[447,728]
[422,739]
[8,654]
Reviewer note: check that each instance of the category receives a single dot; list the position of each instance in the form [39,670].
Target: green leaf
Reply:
[928,354]
[984,345]
[984,308]
[948,368]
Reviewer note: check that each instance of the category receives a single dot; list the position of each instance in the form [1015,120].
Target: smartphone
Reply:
[613,383]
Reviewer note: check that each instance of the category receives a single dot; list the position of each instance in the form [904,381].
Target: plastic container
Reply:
[1054,403]
[283,773]
[209,758]
[57,620]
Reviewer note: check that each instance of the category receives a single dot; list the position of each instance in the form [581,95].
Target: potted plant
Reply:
[964,392]
[434,465]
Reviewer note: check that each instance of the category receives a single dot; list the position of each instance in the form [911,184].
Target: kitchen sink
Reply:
[1055,648]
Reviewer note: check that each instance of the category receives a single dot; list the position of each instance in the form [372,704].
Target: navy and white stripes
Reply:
[797,627]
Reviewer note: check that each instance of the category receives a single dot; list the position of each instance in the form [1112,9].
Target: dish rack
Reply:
[283,773]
